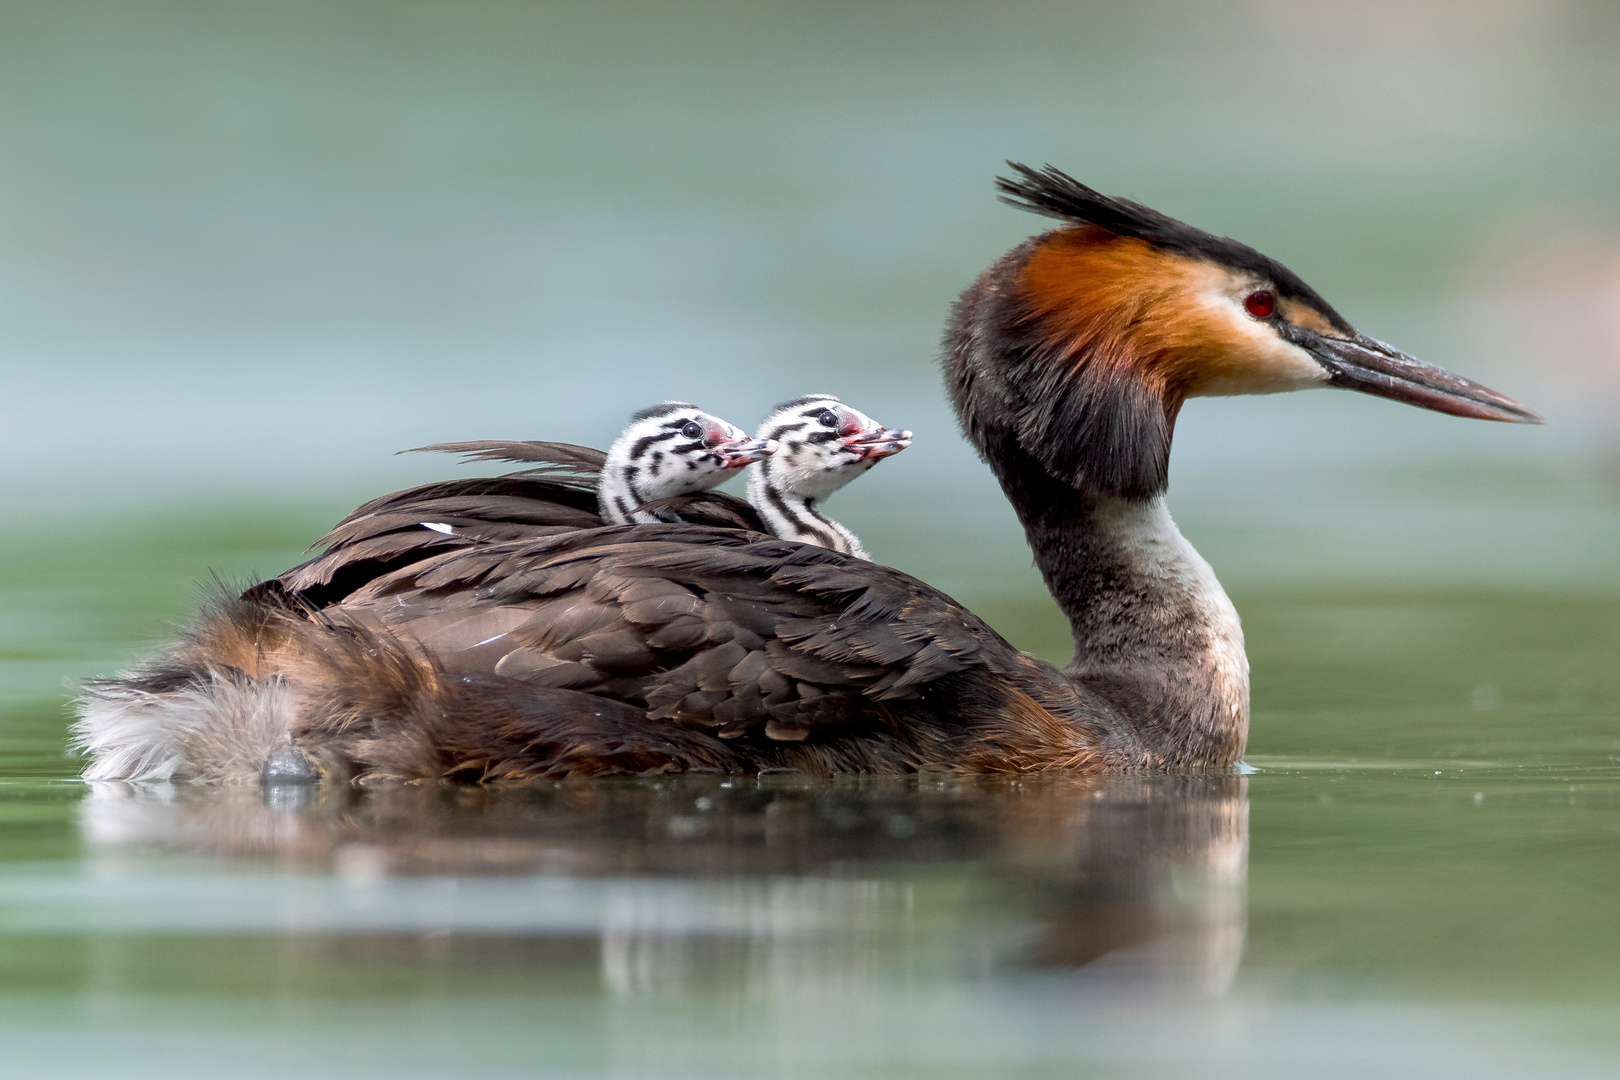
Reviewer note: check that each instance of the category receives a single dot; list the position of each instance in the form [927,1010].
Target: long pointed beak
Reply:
[740,452]
[1370,366]
[880,443]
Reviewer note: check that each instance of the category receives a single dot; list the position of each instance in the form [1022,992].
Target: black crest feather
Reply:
[1053,193]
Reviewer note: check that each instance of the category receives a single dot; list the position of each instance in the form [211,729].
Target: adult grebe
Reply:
[673,646]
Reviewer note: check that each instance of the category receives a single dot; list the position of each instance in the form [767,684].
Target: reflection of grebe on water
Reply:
[1137,882]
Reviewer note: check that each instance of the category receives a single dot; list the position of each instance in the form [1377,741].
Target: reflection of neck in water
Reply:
[1155,889]
[756,884]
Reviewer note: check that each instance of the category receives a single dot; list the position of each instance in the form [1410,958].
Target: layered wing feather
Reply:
[404,527]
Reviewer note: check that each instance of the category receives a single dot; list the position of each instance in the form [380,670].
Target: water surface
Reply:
[1416,879]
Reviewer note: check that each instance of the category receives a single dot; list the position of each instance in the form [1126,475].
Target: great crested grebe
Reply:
[676,646]
[824,444]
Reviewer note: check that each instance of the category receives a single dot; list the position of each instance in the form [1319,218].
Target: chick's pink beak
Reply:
[739,452]
[879,443]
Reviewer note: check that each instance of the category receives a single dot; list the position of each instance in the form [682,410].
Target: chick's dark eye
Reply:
[692,430]
[1260,304]
[826,418]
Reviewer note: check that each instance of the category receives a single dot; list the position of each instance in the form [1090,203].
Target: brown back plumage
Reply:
[398,529]
[634,649]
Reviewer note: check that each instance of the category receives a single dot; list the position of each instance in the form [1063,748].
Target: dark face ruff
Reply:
[1085,410]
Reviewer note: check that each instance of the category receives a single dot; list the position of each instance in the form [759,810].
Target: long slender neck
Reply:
[1154,632]
[794,517]
[1154,635]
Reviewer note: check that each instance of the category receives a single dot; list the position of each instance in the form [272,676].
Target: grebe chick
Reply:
[667,451]
[823,445]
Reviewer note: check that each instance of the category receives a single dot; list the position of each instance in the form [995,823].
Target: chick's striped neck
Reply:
[621,495]
[795,517]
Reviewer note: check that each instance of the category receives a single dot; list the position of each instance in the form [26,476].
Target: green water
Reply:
[1417,879]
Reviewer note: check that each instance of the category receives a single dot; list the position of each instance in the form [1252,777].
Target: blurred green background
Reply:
[249,250]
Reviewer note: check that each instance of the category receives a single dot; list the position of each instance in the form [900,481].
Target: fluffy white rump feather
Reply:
[221,731]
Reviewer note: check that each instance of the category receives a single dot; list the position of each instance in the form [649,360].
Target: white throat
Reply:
[1166,572]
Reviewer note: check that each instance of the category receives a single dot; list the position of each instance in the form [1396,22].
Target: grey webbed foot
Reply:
[294,778]
[292,765]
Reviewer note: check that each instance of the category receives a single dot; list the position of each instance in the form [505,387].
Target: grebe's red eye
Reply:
[1261,304]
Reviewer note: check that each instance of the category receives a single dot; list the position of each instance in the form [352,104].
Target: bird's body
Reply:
[676,646]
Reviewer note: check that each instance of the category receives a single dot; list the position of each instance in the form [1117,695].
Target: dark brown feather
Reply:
[767,643]
[553,456]
[392,531]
